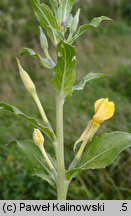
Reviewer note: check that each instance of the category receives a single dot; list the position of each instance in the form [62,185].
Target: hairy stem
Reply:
[62,184]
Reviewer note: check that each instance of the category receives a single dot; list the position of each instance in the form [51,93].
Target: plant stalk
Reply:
[62,183]
[50,165]
[87,135]
[78,155]
[41,110]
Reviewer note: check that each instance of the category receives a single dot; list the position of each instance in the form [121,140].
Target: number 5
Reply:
[124,207]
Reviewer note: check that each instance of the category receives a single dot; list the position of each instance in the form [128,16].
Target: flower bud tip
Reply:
[38,137]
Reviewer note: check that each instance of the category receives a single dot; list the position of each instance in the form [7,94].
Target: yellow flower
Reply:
[104,109]
[38,137]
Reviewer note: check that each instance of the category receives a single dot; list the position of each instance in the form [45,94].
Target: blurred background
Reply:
[106,49]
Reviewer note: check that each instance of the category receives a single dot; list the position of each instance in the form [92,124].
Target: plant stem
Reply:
[50,165]
[78,155]
[41,110]
[47,54]
[62,184]
[87,135]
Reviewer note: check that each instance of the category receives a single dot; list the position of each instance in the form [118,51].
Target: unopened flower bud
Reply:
[43,39]
[38,137]
[28,83]
[39,141]
[104,109]
[75,22]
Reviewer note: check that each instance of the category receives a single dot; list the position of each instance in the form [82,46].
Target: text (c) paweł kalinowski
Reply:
[67,207]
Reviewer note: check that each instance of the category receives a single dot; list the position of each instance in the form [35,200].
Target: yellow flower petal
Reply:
[98,103]
[104,109]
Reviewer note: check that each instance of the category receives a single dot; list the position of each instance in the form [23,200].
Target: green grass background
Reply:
[107,50]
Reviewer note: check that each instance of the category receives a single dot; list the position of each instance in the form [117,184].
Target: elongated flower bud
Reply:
[43,39]
[38,137]
[75,22]
[104,109]
[28,83]
[39,141]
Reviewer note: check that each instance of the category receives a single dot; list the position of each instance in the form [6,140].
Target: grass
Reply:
[107,50]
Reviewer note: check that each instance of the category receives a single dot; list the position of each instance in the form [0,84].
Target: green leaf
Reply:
[54,5]
[64,69]
[59,34]
[72,173]
[47,63]
[102,151]
[46,18]
[32,121]
[28,51]
[34,160]
[63,11]
[87,78]
[83,28]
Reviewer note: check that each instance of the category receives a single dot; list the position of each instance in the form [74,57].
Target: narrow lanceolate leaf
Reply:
[94,23]
[64,11]
[54,5]
[32,121]
[47,63]
[34,161]
[46,18]
[102,151]
[87,78]
[65,69]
